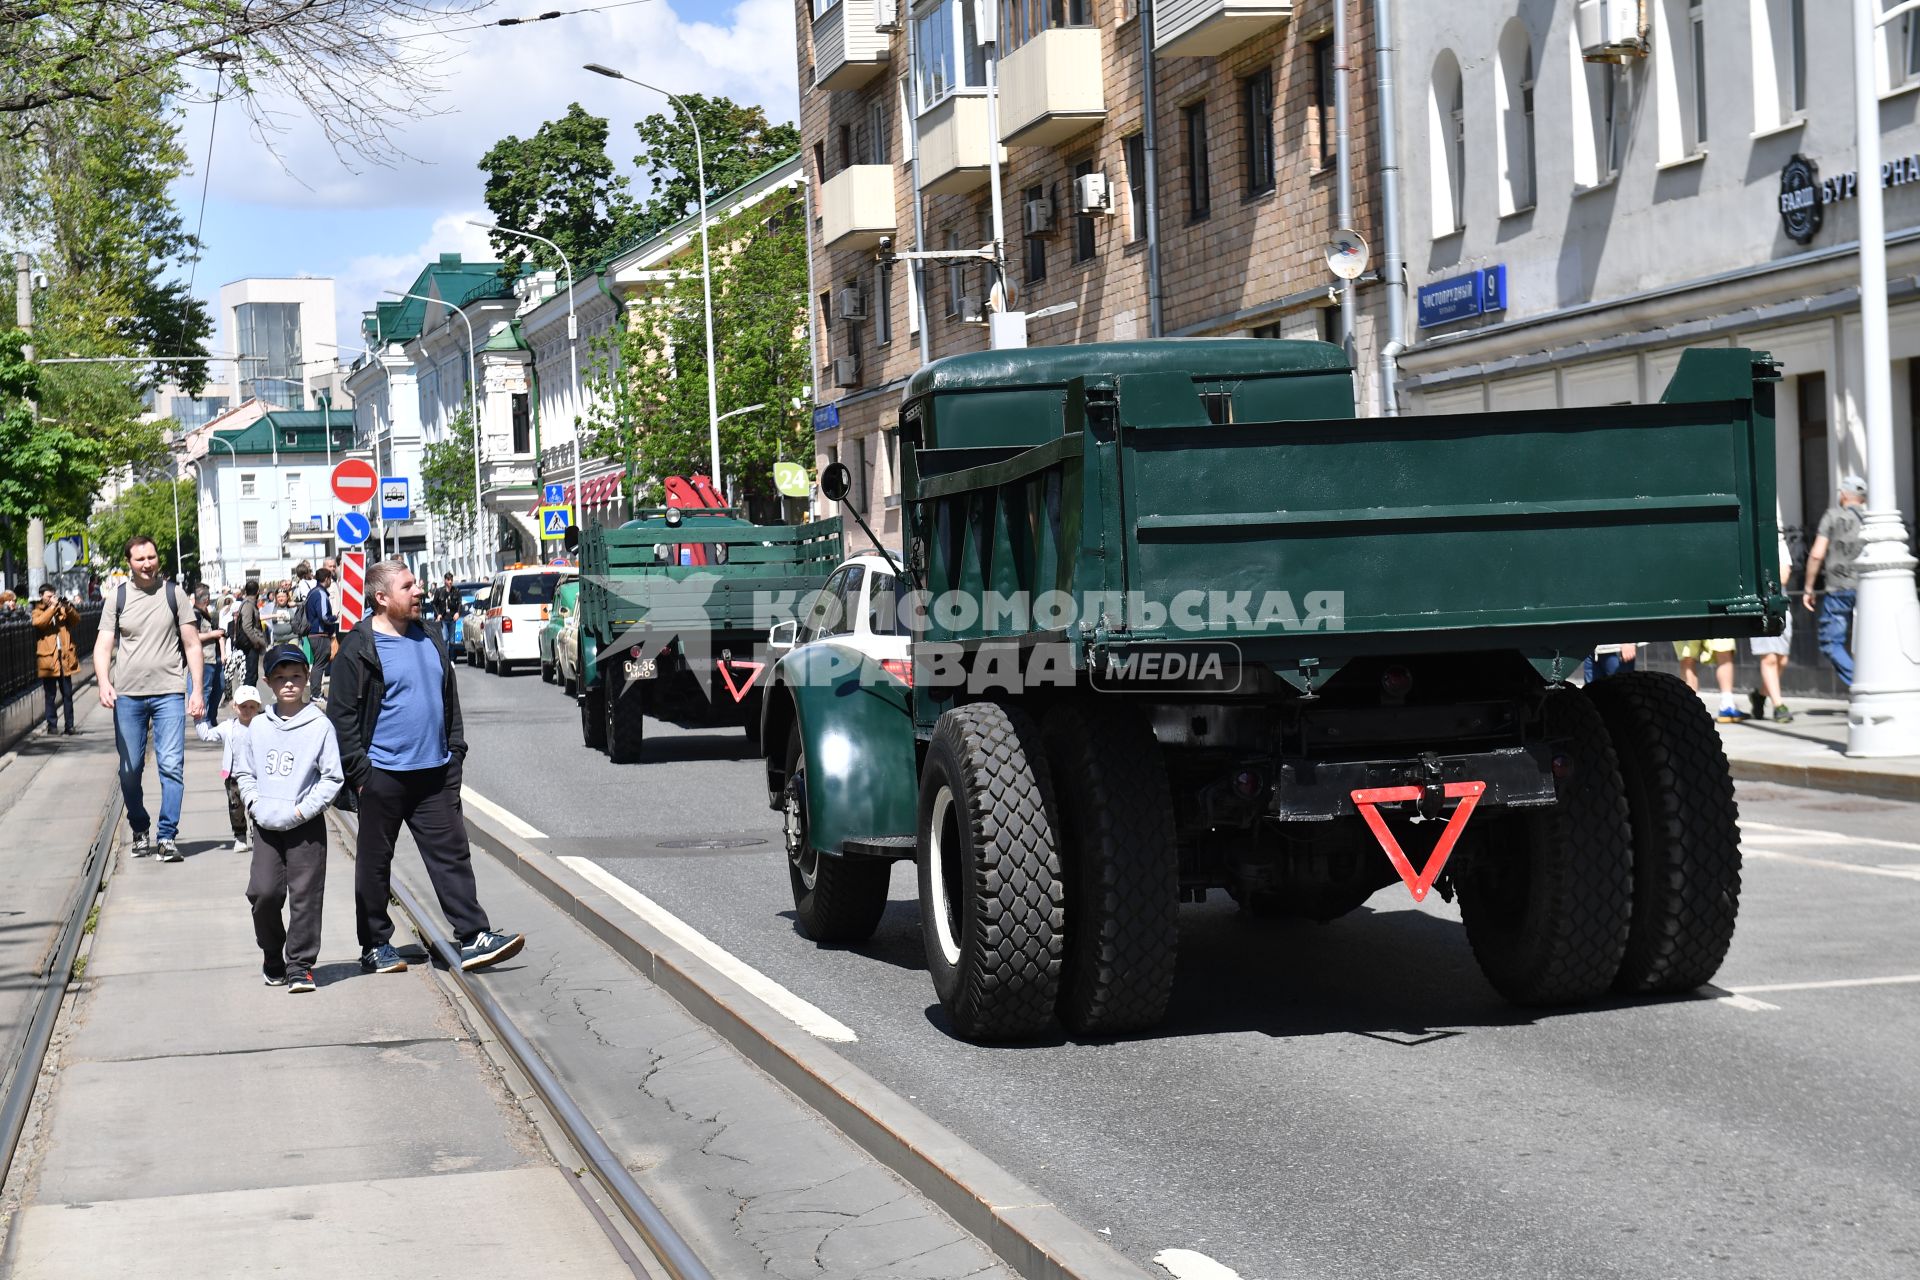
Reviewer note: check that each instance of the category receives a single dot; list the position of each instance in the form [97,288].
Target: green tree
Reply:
[147,509]
[652,402]
[737,140]
[47,470]
[558,183]
[446,478]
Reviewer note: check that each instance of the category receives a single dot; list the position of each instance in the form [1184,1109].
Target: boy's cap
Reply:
[244,694]
[284,654]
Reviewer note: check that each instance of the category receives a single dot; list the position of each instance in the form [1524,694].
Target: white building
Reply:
[282,332]
[265,500]
[1571,225]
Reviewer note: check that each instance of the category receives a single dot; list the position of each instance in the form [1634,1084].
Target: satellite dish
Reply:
[1347,254]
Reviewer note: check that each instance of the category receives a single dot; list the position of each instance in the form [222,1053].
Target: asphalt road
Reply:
[1351,1099]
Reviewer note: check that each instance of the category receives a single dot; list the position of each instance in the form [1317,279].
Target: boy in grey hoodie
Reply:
[288,771]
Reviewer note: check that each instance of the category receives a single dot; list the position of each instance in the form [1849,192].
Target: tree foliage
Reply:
[560,184]
[147,510]
[47,470]
[446,478]
[737,143]
[651,401]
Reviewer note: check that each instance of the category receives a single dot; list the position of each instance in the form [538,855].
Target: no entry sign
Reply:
[354,481]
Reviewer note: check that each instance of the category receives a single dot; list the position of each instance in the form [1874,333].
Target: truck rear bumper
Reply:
[1319,791]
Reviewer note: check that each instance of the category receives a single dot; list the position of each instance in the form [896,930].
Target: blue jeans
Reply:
[1835,619]
[214,676]
[167,714]
[1598,666]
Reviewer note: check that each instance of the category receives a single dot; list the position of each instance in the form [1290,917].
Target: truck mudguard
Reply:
[856,729]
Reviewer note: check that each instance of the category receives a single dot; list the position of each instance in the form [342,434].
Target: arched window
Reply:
[1516,138]
[1447,146]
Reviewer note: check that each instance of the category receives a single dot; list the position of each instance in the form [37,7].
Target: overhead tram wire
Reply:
[548,16]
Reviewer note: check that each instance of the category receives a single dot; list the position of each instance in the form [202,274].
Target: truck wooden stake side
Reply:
[1183,623]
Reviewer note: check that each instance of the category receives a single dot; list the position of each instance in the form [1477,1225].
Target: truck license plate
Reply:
[641,669]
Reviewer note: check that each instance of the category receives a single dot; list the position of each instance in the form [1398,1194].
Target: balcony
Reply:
[856,207]
[1051,88]
[1206,28]
[955,149]
[849,47]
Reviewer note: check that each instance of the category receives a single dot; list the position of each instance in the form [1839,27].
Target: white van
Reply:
[517,608]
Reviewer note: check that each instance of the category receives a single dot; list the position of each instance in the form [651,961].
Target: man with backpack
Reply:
[147,667]
[249,631]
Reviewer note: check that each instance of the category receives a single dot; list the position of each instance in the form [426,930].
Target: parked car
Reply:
[564,601]
[471,637]
[469,591]
[566,652]
[516,610]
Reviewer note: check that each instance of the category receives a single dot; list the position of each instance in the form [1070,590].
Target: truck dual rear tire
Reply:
[835,899]
[1548,894]
[1686,835]
[626,717]
[1121,866]
[593,717]
[992,904]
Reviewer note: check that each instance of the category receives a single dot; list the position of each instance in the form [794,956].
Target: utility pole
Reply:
[23,317]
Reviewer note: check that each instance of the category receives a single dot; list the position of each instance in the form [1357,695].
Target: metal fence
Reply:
[18,669]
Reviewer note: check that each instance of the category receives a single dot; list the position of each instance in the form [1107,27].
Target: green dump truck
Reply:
[673,607]
[1180,622]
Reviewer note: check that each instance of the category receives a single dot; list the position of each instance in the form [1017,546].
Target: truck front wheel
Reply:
[992,905]
[1547,895]
[1686,834]
[834,899]
[626,717]
[1121,866]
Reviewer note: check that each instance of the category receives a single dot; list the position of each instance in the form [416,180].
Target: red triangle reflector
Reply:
[753,670]
[1467,793]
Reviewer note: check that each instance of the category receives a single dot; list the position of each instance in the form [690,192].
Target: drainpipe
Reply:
[1150,161]
[813,292]
[919,204]
[1393,269]
[1343,158]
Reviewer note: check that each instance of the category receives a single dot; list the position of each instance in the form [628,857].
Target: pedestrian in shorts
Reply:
[288,772]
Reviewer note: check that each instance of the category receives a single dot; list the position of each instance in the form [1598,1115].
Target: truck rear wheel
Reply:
[626,717]
[1121,866]
[835,899]
[1547,895]
[1686,835]
[991,902]
[593,718]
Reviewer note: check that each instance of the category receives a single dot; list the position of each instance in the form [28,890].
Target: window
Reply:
[846,146]
[532,588]
[882,304]
[879,145]
[1036,245]
[857,465]
[1085,239]
[1599,101]
[248,480]
[891,443]
[1199,182]
[1256,98]
[948,56]
[1135,149]
[268,343]
[1322,123]
[1680,80]
[1447,147]
[1514,87]
[1900,50]
[1779,63]
[250,532]
[820,161]
[522,424]
[1697,30]
[1022,20]
[1816,488]
[824,6]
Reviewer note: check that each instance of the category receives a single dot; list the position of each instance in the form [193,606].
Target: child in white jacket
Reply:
[231,734]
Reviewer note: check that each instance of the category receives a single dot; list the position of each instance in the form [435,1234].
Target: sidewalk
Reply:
[203,1124]
[1811,752]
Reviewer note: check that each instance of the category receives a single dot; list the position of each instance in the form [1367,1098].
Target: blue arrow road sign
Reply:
[353,529]
[554,521]
[396,499]
[554,495]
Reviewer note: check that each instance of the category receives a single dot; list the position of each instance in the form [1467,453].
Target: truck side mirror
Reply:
[836,482]
[783,635]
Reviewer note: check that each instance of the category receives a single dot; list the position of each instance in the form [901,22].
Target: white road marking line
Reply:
[513,822]
[1830,836]
[1747,1002]
[1185,1264]
[1898,979]
[808,1017]
[1828,863]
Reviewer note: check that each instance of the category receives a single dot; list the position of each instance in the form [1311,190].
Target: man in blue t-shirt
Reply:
[396,708]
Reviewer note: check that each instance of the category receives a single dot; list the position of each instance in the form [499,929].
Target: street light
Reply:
[1883,701]
[473,408]
[573,363]
[706,262]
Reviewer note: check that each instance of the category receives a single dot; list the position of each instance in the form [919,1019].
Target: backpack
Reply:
[173,605]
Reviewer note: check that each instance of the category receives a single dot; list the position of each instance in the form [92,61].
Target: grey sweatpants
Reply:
[289,870]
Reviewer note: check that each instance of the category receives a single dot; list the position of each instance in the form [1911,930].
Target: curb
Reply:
[1887,786]
[1023,1229]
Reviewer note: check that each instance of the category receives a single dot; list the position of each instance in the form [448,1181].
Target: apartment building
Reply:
[1591,188]
[899,142]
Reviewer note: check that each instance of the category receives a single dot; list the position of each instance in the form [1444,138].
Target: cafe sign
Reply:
[1804,194]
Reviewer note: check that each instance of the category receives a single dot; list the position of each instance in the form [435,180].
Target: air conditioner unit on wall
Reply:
[851,303]
[846,371]
[1039,216]
[971,311]
[886,15]
[1092,193]
[1610,30]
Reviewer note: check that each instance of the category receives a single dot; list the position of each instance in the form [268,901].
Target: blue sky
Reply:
[306,212]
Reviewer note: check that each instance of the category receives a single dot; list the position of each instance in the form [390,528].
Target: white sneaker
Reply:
[241,846]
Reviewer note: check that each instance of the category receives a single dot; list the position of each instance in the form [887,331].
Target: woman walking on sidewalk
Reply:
[54,655]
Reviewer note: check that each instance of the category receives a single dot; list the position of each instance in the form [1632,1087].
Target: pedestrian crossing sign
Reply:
[554,521]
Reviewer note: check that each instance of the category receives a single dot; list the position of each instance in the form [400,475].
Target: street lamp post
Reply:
[1883,702]
[706,262]
[573,364]
[233,456]
[473,408]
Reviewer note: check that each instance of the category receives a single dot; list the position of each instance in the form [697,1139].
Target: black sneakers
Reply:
[382,959]
[273,979]
[299,980]
[141,846]
[168,851]
[488,947]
